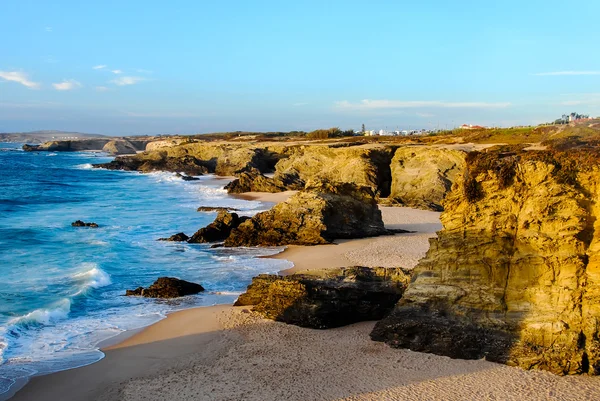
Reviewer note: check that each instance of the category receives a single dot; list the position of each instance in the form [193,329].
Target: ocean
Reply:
[61,287]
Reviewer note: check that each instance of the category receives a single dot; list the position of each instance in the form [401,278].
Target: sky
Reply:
[142,67]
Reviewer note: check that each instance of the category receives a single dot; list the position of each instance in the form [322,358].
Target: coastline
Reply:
[226,353]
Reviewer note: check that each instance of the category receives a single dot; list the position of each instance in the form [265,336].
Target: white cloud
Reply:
[48,29]
[20,77]
[99,67]
[557,73]
[368,104]
[123,81]
[67,85]
[117,71]
[102,89]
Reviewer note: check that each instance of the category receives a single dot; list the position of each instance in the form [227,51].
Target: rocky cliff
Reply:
[221,158]
[318,215]
[368,166]
[115,146]
[423,175]
[514,276]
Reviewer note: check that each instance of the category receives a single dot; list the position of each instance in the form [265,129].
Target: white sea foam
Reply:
[51,154]
[93,277]
[85,166]
[46,316]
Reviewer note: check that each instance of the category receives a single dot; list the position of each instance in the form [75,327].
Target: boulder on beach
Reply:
[167,287]
[179,237]
[219,229]
[327,298]
[79,223]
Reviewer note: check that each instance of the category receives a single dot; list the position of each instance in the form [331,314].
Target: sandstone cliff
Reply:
[422,176]
[368,166]
[514,276]
[119,147]
[220,158]
[322,213]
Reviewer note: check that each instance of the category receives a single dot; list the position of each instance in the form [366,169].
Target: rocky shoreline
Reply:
[511,277]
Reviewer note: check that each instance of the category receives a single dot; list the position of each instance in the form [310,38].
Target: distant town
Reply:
[564,119]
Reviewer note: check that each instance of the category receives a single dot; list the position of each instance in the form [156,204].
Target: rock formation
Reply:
[216,209]
[158,161]
[253,181]
[514,276]
[422,176]
[179,237]
[322,213]
[220,158]
[114,145]
[119,147]
[79,223]
[167,287]
[327,298]
[219,229]
[367,166]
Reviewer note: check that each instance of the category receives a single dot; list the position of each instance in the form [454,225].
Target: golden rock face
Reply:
[516,272]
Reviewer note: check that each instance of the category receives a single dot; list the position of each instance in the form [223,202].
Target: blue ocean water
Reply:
[61,287]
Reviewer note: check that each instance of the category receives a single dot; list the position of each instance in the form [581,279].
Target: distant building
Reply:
[465,126]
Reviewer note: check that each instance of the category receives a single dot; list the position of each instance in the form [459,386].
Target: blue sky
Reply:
[140,67]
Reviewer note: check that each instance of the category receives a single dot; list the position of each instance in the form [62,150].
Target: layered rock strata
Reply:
[328,298]
[422,176]
[514,276]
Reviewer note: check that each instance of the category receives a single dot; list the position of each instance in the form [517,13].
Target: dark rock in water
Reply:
[179,237]
[31,148]
[219,229]
[217,209]
[167,287]
[186,177]
[80,223]
[322,213]
[253,181]
[327,298]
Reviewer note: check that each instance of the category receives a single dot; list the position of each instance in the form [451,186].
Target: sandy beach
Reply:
[229,353]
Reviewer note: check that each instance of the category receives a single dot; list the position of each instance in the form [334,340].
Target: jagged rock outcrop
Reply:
[367,166]
[167,287]
[323,212]
[327,298]
[221,158]
[514,276]
[423,175]
[179,237]
[216,209]
[159,161]
[253,181]
[219,229]
[79,223]
[119,147]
